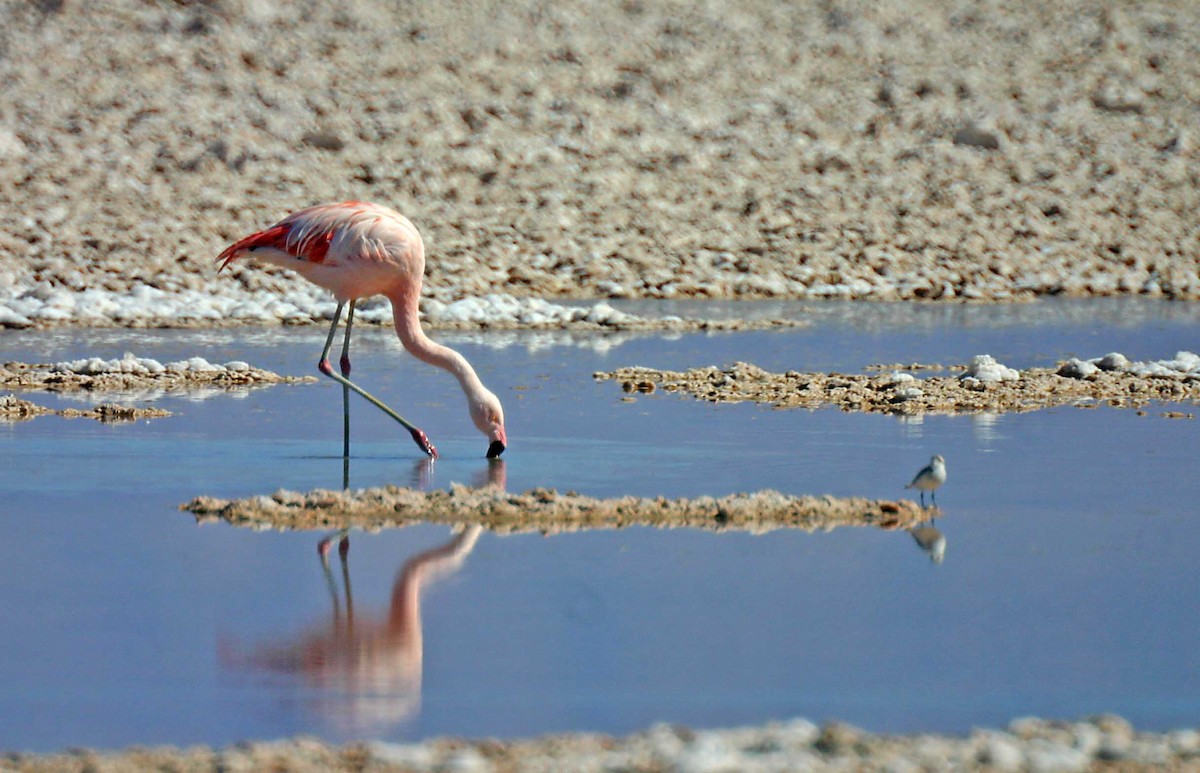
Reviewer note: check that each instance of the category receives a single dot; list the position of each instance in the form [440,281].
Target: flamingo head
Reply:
[488,415]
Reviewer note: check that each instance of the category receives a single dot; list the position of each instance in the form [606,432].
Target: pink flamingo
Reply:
[355,250]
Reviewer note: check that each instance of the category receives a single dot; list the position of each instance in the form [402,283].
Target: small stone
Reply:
[324,140]
[975,137]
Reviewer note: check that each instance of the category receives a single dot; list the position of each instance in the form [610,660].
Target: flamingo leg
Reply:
[345,365]
[323,365]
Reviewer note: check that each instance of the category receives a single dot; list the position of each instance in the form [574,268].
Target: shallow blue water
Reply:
[1068,586]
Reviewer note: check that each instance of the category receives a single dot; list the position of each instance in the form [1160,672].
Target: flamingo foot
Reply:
[423,442]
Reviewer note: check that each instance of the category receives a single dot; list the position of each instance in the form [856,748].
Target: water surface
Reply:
[1068,585]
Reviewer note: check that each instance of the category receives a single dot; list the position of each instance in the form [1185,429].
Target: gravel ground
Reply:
[888,150]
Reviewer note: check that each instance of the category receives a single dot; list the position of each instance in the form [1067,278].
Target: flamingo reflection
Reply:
[421,479]
[368,667]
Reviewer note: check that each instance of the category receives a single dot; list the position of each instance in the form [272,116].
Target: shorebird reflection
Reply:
[930,540]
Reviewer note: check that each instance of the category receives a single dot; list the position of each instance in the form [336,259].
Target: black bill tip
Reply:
[495,449]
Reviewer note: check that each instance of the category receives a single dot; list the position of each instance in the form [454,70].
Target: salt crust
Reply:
[145,306]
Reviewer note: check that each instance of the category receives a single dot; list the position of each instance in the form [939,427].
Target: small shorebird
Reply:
[930,478]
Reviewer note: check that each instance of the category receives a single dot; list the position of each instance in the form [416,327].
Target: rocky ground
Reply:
[846,149]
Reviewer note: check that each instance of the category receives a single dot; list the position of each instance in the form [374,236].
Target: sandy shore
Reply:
[890,150]
[1100,743]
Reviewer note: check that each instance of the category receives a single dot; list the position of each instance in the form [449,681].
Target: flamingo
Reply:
[355,250]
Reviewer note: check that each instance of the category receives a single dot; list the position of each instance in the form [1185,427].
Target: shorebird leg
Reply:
[323,365]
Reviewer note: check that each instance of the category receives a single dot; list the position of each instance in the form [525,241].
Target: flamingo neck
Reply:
[419,345]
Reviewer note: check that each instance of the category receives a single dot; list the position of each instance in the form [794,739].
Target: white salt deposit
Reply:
[1112,361]
[499,308]
[1185,365]
[1076,368]
[92,366]
[984,368]
[130,363]
[144,305]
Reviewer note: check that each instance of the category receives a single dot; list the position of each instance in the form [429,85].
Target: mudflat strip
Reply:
[548,511]
[132,373]
[983,386]
[13,408]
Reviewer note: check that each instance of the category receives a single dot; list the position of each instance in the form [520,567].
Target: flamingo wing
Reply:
[351,226]
[312,247]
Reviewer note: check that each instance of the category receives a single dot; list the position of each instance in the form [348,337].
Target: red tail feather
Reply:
[275,236]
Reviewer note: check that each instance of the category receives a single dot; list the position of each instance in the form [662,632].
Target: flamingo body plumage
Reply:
[355,250]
